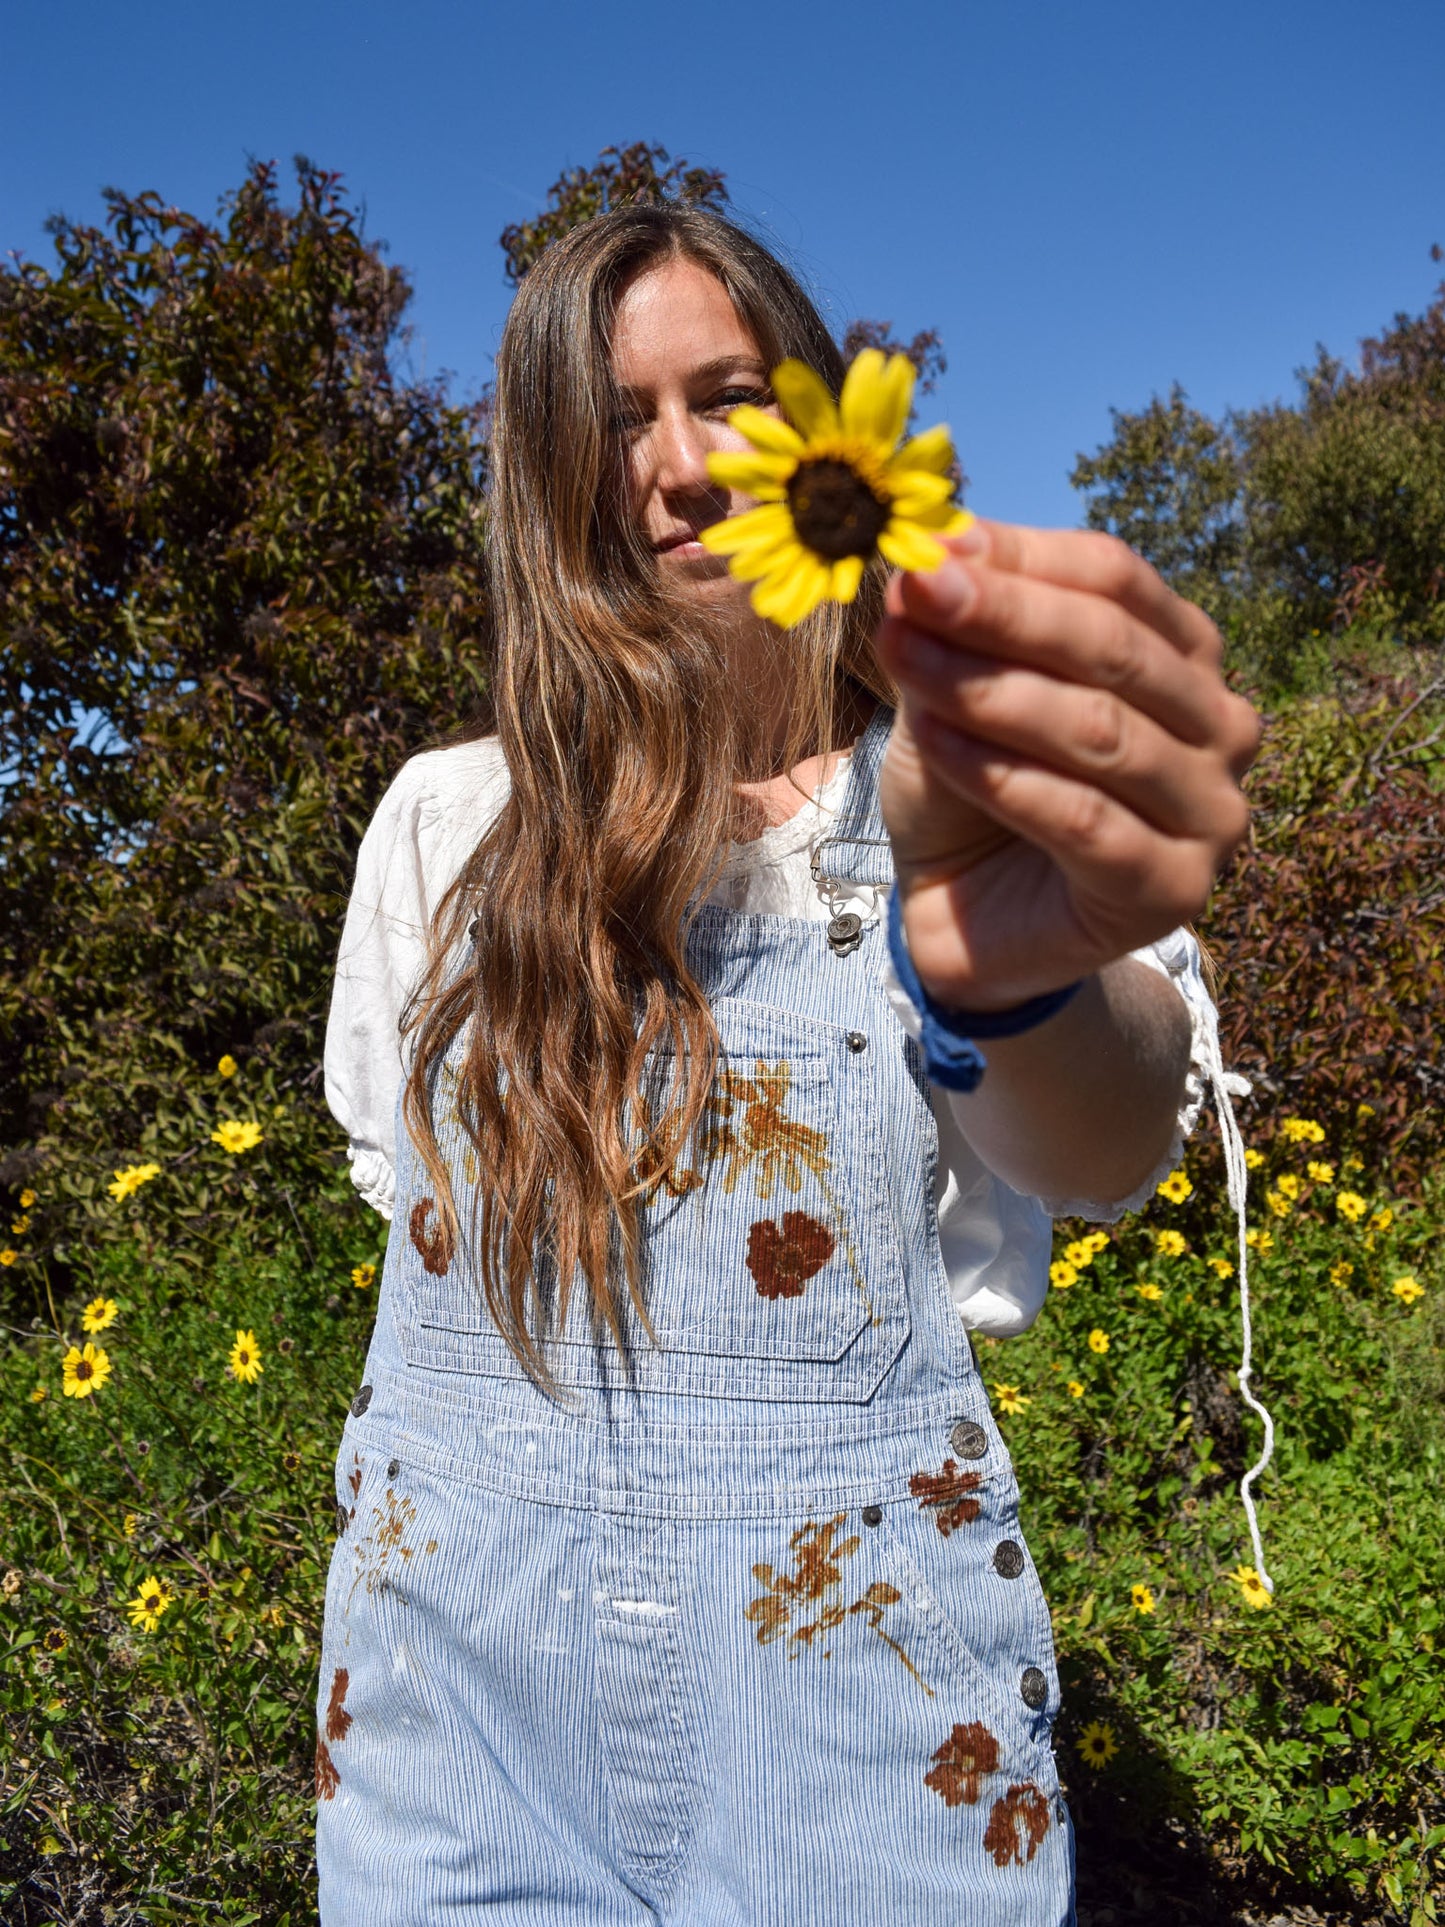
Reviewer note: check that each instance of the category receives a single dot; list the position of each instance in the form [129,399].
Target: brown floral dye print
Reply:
[945,1494]
[327,1778]
[384,1551]
[782,1258]
[818,1556]
[654,1174]
[775,1148]
[338,1720]
[966,1755]
[1019,1821]
[434,1246]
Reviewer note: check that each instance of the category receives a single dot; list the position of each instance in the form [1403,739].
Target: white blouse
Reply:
[995,1241]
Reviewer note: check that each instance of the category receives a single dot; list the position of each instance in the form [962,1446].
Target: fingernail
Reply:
[972,541]
[951,583]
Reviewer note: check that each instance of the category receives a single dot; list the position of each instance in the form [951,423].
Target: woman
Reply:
[680,1576]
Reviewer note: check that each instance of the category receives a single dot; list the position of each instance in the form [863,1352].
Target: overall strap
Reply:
[857,849]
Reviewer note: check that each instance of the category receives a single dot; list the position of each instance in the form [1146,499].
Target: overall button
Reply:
[845,932]
[872,1515]
[857,1041]
[970,1441]
[1034,1687]
[393,1469]
[361,1401]
[1008,1559]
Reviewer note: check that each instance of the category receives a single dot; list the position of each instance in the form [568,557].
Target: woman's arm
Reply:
[1061,788]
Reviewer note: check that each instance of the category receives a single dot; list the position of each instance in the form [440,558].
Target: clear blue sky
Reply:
[1089,201]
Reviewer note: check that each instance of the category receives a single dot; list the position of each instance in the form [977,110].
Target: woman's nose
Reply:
[680,452]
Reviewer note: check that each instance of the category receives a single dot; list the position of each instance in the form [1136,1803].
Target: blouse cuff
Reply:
[373,1176]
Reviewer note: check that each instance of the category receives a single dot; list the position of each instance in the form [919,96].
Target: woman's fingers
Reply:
[1077,636]
[1100,565]
[1124,875]
[1075,728]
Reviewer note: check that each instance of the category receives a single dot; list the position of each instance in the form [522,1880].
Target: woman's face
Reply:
[683,360]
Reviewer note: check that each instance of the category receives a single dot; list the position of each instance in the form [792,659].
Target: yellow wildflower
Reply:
[1170,1244]
[1289,1184]
[234,1136]
[1079,1253]
[149,1603]
[39,1395]
[1302,1130]
[1010,1398]
[1098,1340]
[1062,1275]
[363,1276]
[1256,1592]
[227,1066]
[1074,1388]
[1407,1289]
[1362,1111]
[1176,1187]
[1221,1267]
[19,1226]
[130,1180]
[27,1198]
[245,1358]
[1351,1205]
[1097,1241]
[1320,1172]
[99,1313]
[833,487]
[1151,1292]
[8,1257]
[1382,1219]
[1353,1164]
[1341,1272]
[84,1371]
[1142,1598]
[1260,1241]
[1278,1203]
[1253,1159]
[1097,1744]
[56,1639]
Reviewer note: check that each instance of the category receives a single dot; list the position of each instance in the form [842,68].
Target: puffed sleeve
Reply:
[434,813]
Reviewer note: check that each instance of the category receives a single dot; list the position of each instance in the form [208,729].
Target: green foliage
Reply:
[618,175]
[240,579]
[1288,522]
[1304,1736]
[159,1772]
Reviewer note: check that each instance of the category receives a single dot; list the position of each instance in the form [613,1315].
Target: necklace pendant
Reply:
[845,932]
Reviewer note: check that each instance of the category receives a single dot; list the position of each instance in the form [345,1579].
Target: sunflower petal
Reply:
[805,398]
[765,431]
[945,519]
[918,490]
[907,546]
[933,450]
[791,597]
[877,394]
[751,471]
[847,575]
[736,532]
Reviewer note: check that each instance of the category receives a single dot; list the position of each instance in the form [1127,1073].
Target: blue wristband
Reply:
[952,1058]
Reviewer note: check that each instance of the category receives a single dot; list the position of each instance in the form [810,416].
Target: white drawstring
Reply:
[1237,1182]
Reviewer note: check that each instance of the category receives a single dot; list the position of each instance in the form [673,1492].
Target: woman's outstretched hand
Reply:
[1062,785]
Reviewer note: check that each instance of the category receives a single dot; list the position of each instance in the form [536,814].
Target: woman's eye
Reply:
[732,398]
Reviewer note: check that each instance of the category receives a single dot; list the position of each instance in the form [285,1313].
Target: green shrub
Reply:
[1306,1735]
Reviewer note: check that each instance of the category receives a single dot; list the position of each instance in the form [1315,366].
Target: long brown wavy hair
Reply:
[623,745]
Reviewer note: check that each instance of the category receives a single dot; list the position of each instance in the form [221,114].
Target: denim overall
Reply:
[740,1630]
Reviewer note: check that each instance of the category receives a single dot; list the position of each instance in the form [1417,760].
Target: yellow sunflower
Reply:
[149,1603]
[833,487]
[83,1370]
[1097,1744]
[1252,1588]
[99,1313]
[1010,1399]
[245,1358]
[235,1136]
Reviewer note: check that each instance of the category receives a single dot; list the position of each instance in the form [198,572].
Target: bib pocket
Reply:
[771,1267]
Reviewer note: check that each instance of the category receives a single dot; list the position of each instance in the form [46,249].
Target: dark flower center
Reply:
[834,511]
[84,1368]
